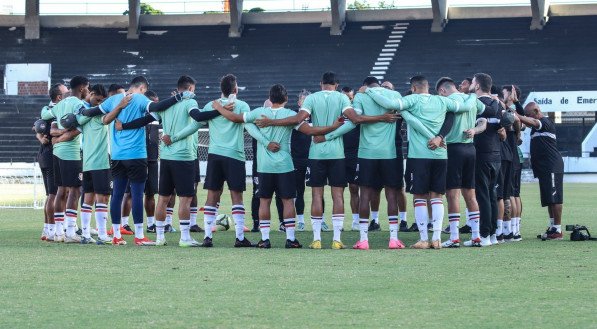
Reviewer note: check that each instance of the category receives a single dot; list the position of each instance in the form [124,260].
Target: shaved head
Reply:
[533,110]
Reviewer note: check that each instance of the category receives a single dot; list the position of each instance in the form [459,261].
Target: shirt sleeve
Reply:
[82,120]
[393,104]
[544,125]
[192,105]
[244,108]
[345,128]
[413,122]
[157,116]
[451,104]
[190,129]
[255,132]
[480,106]
[109,104]
[251,116]
[141,103]
[47,113]
[207,107]
[345,103]
[357,103]
[308,104]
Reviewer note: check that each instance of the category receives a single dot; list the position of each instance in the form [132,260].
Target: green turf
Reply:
[527,284]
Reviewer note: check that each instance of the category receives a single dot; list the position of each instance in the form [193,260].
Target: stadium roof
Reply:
[236,13]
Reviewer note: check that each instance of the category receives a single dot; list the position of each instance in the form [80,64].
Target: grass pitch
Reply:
[527,284]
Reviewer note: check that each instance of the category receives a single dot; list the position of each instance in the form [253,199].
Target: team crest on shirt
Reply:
[111,184]
[81,176]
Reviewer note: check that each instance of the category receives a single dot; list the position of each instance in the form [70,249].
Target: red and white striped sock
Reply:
[289,225]
[474,223]
[393,221]
[422,218]
[209,217]
[238,214]
[71,221]
[437,215]
[337,224]
[59,221]
[264,227]
[454,219]
[101,219]
[86,220]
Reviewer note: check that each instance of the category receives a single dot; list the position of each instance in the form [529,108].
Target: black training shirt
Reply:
[487,143]
[351,143]
[545,157]
[152,136]
[44,155]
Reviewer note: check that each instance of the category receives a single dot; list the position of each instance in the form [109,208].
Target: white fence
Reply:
[21,186]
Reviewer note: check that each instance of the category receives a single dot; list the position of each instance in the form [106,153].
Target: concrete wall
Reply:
[388,15]
[573,10]
[12,20]
[109,21]
[184,20]
[489,12]
[287,18]
[323,17]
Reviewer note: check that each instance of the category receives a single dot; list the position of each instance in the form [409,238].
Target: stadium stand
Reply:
[559,57]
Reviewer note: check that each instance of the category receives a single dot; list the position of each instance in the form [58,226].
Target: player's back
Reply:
[95,144]
[462,120]
[325,107]
[274,162]
[374,137]
[173,120]
[128,144]
[431,112]
[226,138]
[68,150]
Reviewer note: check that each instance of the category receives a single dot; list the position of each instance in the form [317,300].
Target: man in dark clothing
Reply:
[45,160]
[488,161]
[547,165]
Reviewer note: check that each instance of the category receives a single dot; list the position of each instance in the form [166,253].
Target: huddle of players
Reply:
[86,112]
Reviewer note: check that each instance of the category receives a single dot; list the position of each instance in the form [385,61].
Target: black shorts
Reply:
[326,172]
[378,173]
[222,169]
[283,184]
[427,175]
[67,173]
[461,166]
[49,184]
[97,181]
[134,170]
[516,180]
[174,175]
[504,181]
[197,171]
[352,170]
[551,187]
[151,185]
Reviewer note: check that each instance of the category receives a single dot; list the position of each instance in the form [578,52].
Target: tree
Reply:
[147,9]
[359,5]
[256,10]
[364,5]
[386,5]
